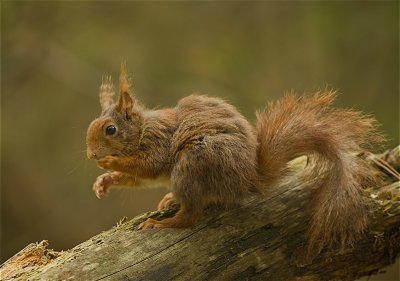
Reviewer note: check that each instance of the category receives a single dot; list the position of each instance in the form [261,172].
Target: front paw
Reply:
[102,184]
[108,163]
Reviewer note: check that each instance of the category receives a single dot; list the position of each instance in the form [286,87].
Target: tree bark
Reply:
[262,239]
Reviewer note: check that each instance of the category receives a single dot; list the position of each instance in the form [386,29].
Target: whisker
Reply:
[124,197]
[74,168]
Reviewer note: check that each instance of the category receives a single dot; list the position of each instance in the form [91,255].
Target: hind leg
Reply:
[191,205]
[189,191]
[181,219]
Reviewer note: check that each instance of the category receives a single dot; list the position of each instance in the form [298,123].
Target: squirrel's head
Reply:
[117,131]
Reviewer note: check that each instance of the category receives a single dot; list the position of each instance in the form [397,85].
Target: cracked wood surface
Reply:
[262,239]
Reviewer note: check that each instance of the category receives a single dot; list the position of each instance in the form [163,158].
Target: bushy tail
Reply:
[296,126]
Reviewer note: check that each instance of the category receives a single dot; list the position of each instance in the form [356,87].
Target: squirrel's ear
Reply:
[106,93]
[125,100]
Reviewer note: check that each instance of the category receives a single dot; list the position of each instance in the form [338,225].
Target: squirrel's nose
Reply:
[91,155]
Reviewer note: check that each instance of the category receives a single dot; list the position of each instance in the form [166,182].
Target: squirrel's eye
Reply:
[110,130]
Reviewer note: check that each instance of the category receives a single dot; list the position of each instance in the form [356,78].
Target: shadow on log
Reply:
[263,239]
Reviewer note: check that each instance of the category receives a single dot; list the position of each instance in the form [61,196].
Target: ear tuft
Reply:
[106,93]
[124,81]
[125,101]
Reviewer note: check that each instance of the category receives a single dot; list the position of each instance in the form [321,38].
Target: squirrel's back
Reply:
[200,115]
[221,145]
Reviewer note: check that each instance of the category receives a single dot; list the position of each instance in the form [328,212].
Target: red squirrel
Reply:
[209,153]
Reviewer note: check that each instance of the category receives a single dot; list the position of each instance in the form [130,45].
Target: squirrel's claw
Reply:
[149,224]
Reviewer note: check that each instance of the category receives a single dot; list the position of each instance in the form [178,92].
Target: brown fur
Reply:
[296,126]
[211,154]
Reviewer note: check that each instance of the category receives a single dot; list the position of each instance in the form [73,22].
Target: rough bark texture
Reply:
[263,239]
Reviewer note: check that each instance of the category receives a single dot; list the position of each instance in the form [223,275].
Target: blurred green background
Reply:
[54,54]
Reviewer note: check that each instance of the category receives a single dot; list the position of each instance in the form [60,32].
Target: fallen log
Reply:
[262,239]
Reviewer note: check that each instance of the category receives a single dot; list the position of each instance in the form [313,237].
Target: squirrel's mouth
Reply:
[97,157]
